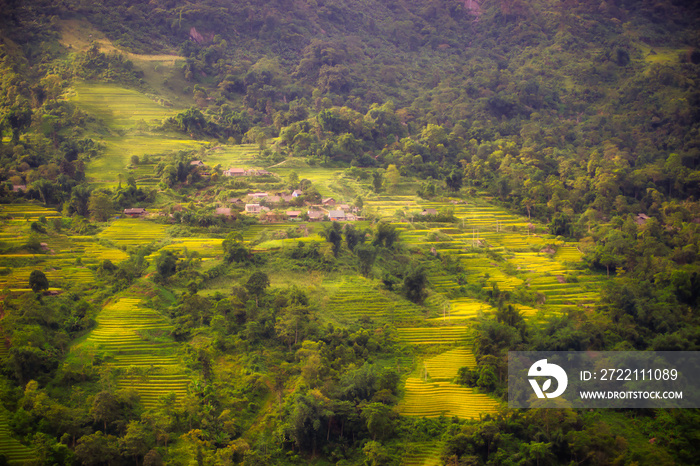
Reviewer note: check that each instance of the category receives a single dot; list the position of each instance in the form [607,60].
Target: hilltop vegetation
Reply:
[526,178]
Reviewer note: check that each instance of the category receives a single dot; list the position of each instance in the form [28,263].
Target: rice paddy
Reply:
[482,229]
[422,454]
[133,232]
[446,365]
[445,335]
[130,113]
[15,452]
[136,340]
[206,248]
[435,399]
[357,298]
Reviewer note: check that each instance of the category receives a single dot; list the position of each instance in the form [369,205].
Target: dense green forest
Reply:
[206,336]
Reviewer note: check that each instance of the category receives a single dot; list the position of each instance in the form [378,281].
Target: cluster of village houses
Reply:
[270,207]
[264,205]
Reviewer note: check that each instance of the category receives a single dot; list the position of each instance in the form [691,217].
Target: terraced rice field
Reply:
[125,110]
[58,273]
[446,365]
[435,399]
[446,335]
[15,452]
[121,107]
[105,169]
[27,212]
[357,298]
[286,243]
[483,225]
[462,309]
[135,339]
[206,248]
[568,253]
[240,156]
[422,454]
[133,231]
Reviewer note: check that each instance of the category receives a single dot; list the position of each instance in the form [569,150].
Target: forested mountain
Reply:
[581,116]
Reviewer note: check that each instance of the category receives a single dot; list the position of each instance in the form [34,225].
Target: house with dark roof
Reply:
[293,214]
[197,163]
[328,201]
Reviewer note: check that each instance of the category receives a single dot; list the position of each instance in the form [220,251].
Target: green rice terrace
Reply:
[135,340]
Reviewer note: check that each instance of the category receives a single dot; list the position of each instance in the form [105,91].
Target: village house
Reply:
[19,187]
[272,217]
[257,195]
[235,200]
[336,215]
[316,216]
[293,214]
[328,201]
[253,208]
[225,211]
[235,172]
[197,163]
[429,212]
[641,219]
[297,193]
[135,212]
[287,197]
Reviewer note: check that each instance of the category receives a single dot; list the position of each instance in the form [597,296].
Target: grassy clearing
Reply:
[240,156]
[161,71]
[330,182]
[135,340]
